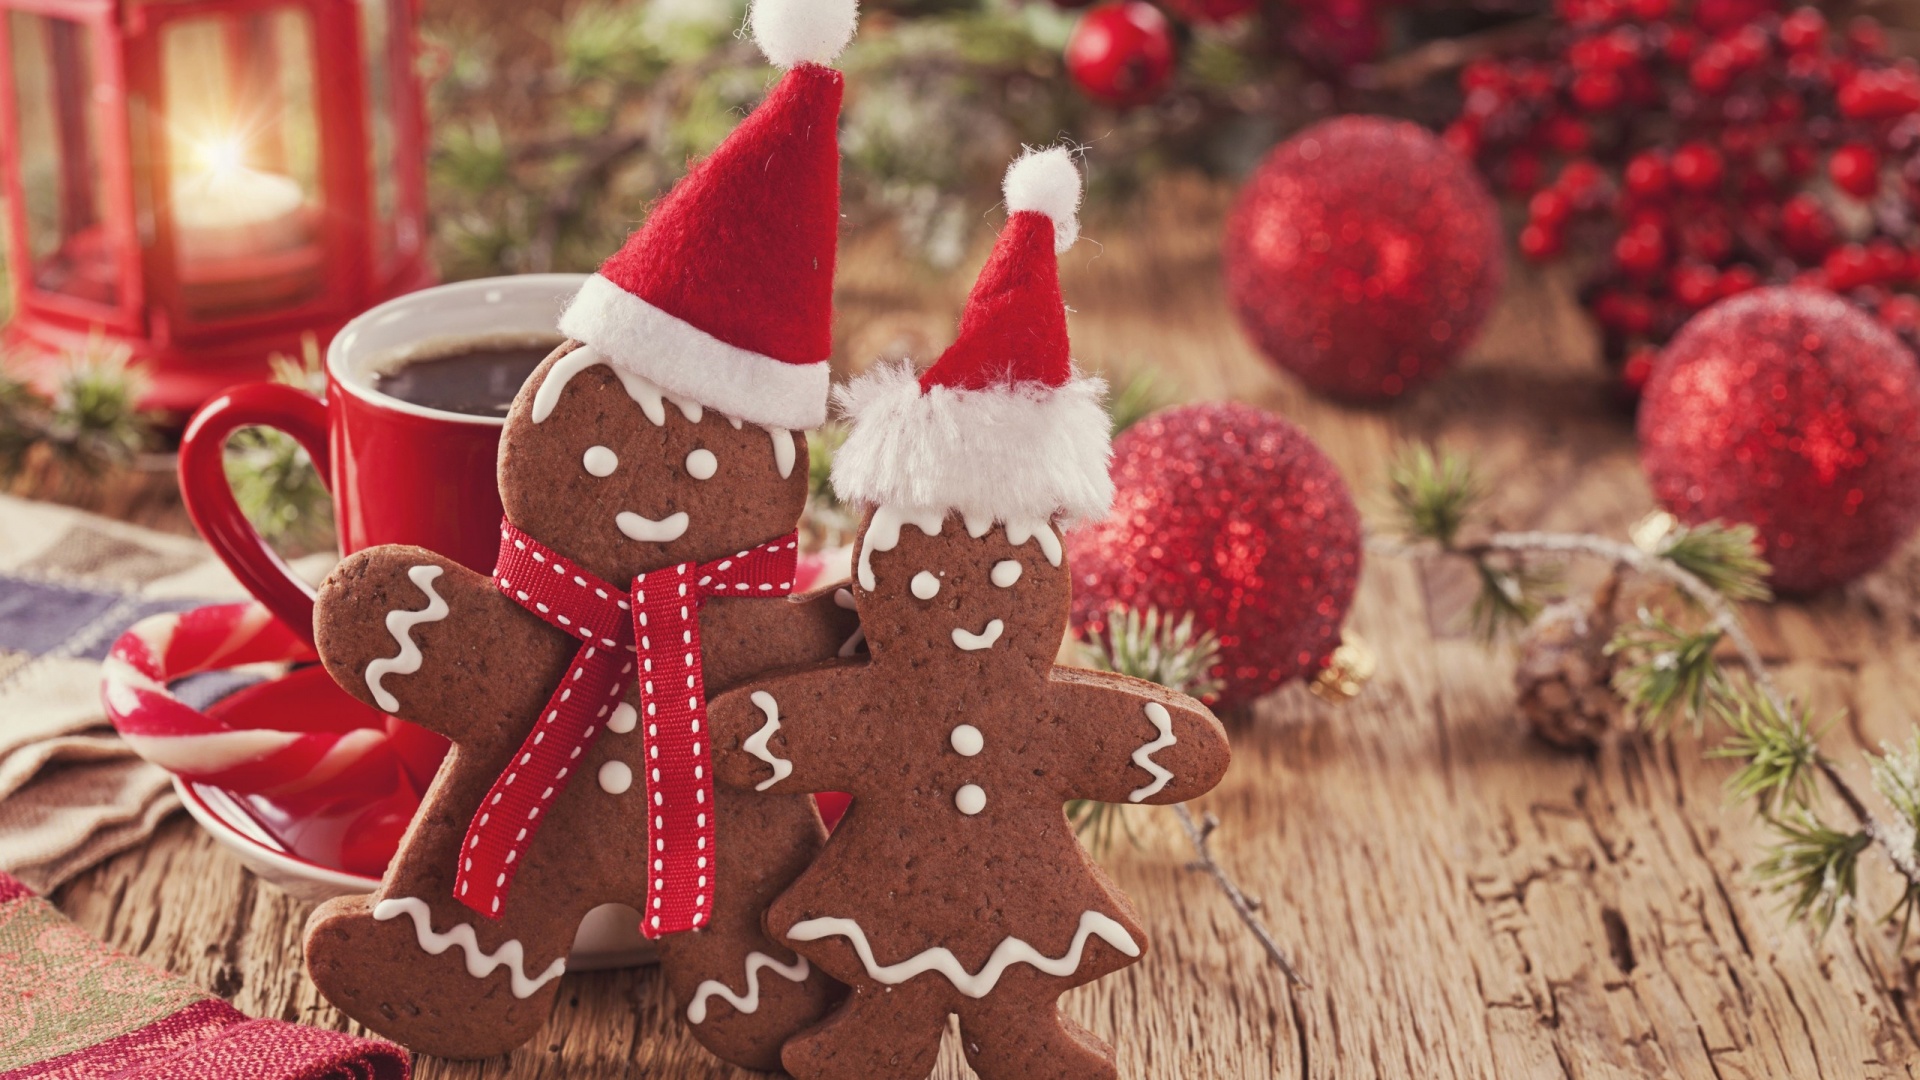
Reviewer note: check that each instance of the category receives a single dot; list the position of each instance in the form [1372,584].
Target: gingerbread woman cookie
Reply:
[652,476]
[954,884]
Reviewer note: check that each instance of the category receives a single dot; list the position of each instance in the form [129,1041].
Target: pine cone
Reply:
[1564,672]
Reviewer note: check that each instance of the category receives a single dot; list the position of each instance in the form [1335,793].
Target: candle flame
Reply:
[222,156]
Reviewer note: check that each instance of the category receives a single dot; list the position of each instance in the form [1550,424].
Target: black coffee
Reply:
[479,381]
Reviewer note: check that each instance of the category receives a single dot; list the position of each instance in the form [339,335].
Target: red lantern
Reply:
[206,182]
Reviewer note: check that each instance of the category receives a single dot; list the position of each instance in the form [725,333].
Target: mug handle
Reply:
[209,498]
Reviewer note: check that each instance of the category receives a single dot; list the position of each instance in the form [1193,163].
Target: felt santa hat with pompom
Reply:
[725,295]
[1001,427]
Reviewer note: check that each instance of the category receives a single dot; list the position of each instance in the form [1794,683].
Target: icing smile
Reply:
[647,530]
[972,642]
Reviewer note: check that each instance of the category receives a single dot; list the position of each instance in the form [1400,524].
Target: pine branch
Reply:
[1713,566]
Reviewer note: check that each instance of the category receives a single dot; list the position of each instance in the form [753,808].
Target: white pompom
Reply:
[1047,181]
[793,32]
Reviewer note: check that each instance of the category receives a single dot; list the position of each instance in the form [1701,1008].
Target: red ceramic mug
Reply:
[399,473]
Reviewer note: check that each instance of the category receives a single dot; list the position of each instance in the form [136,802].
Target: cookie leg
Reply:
[486,990]
[881,1033]
[1014,1040]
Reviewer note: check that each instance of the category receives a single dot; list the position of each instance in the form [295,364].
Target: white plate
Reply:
[609,937]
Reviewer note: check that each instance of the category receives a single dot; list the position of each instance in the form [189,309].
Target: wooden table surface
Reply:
[1464,901]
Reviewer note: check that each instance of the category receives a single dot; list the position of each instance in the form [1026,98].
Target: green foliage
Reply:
[1667,673]
[827,522]
[90,423]
[1778,750]
[1156,647]
[272,476]
[1817,866]
[1725,557]
[1510,597]
[1137,397]
[1435,493]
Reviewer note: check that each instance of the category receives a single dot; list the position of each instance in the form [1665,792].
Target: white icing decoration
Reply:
[562,372]
[616,777]
[646,530]
[967,740]
[782,450]
[883,534]
[400,624]
[843,599]
[851,646]
[1009,952]
[924,585]
[600,461]
[1006,572]
[1143,757]
[1019,532]
[970,799]
[479,964]
[978,525]
[794,972]
[623,719]
[975,642]
[701,464]
[756,743]
[651,399]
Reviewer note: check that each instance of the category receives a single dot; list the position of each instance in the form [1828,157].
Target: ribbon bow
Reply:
[656,628]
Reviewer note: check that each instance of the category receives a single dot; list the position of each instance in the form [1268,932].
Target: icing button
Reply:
[616,777]
[971,799]
[967,740]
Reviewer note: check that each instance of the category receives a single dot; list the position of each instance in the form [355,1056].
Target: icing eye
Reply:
[600,461]
[967,740]
[701,464]
[1006,572]
[924,585]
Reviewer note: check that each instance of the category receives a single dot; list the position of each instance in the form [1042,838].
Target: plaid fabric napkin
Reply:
[72,1008]
[71,793]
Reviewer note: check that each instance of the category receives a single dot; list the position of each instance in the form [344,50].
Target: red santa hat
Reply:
[1001,427]
[725,295]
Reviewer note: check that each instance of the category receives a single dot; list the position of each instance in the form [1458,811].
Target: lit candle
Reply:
[227,210]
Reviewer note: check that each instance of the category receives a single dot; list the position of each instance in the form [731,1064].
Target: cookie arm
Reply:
[1141,742]
[744,637]
[788,733]
[419,636]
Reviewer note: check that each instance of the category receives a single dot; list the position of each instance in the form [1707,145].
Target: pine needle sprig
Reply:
[1816,865]
[1137,397]
[274,481]
[1778,750]
[1667,673]
[1154,646]
[1435,492]
[1726,557]
[1510,597]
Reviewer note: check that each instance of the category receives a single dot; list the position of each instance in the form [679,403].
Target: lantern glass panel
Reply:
[61,178]
[243,152]
[376,49]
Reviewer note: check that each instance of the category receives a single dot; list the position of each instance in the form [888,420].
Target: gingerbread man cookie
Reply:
[954,884]
[652,476]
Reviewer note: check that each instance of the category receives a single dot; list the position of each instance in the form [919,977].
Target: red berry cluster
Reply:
[1123,53]
[1702,152]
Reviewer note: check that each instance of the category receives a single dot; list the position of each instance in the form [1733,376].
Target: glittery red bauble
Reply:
[1121,53]
[1793,410]
[1233,514]
[1363,255]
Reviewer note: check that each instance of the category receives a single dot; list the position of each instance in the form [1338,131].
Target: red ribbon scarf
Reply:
[662,615]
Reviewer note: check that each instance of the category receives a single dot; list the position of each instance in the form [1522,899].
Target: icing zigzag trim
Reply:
[1143,757]
[400,624]
[794,972]
[479,964]
[1009,952]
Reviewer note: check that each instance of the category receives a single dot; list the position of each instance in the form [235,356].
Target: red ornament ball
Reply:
[1122,53]
[1230,513]
[1363,256]
[1793,410]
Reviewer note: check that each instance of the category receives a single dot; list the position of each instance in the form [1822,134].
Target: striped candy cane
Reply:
[161,728]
